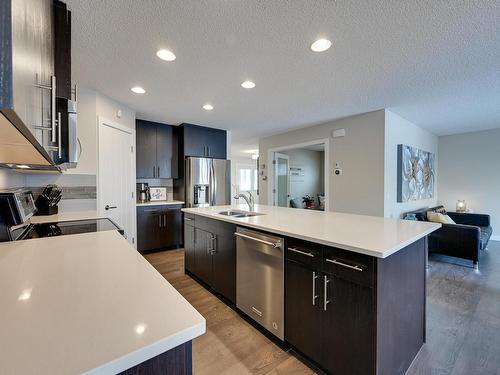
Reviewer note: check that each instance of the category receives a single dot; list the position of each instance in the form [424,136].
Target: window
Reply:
[247,178]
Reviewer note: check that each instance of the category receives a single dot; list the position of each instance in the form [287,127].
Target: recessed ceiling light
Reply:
[321,45]
[208,107]
[248,85]
[140,328]
[138,90]
[166,55]
[25,295]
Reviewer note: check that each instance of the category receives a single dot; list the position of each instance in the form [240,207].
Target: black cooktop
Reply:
[63,228]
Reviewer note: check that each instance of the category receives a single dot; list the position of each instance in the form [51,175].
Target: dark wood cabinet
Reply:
[350,314]
[148,228]
[224,261]
[329,317]
[158,227]
[203,255]
[189,244]
[200,141]
[145,135]
[154,150]
[303,309]
[164,151]
[62,49]
[211,256]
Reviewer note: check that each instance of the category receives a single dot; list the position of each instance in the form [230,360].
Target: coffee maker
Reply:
[143,194]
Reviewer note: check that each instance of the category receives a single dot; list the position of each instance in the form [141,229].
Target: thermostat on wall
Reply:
[338,133]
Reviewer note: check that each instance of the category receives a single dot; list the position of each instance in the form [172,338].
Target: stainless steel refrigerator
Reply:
[208,182]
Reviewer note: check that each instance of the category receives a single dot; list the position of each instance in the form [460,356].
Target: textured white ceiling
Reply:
[434,62]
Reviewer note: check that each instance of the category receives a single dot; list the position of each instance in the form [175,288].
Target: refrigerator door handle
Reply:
[214,190]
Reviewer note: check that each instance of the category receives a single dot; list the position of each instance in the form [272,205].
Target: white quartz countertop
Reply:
[371,235]
[65,216]
[160,203]
[86,303]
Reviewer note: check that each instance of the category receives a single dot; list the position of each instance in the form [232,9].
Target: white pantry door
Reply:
[115,197]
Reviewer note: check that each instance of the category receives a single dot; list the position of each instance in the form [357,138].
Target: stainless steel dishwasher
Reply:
[260,278]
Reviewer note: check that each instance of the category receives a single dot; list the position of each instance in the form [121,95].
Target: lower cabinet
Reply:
[210,254]
[303,309]
[189,244]
[158,227]
[330,319]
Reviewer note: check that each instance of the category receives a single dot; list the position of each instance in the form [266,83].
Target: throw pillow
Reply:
[440,210]
[436,217]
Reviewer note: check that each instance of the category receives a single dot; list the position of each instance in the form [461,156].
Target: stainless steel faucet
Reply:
[248,199]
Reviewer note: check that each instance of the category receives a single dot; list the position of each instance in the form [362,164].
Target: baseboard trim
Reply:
[495,238]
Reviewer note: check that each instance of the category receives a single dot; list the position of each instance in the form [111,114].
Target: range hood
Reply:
[18,147]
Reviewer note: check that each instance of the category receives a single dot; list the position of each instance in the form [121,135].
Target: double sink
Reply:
[239,214]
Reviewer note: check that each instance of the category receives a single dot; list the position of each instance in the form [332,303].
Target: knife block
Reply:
[44,208]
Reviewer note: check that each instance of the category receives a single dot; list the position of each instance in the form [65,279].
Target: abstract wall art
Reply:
[416,174]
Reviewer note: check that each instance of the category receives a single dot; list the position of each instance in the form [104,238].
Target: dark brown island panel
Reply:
[345,312]
[176,361]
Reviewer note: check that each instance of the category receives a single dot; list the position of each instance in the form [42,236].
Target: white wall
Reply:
[91,106]
[313,181]
[400,131]
[469,168]
[360,154]
[9,179]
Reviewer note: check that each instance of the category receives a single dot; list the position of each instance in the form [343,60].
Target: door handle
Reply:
[158,174]
[309,254]
[154,171]
[314,295]
[326,301]
[335,261]
[108,207]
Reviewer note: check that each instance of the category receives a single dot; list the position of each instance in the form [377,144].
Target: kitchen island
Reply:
[90,303]
[354,286]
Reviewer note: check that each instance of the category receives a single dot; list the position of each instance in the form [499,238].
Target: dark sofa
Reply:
[465,239]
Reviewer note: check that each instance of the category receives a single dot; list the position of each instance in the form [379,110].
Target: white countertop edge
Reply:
[378,254]
[159,203]
[141,355]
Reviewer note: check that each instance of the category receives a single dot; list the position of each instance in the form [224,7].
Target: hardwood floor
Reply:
[463,324]
[230,345]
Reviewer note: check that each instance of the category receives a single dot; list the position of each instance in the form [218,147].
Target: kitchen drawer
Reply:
[304,252]
[358,268]
[189,219]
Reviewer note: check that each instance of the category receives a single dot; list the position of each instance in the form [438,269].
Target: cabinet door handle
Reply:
[187,219]
[165,220]
[159,221]
[53,107]
[208,153]
[154,171]
[314,296]
[301,252]
[214,244]
[59,140]
[326,301]
[335,261]
[158,174]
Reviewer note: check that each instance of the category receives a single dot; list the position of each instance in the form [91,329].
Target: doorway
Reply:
[281,188]
[300,177]
[116,176]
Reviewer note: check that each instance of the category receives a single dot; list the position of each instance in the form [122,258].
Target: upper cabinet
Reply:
[204,142]
[62,50]
[155,150]
[40,29]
